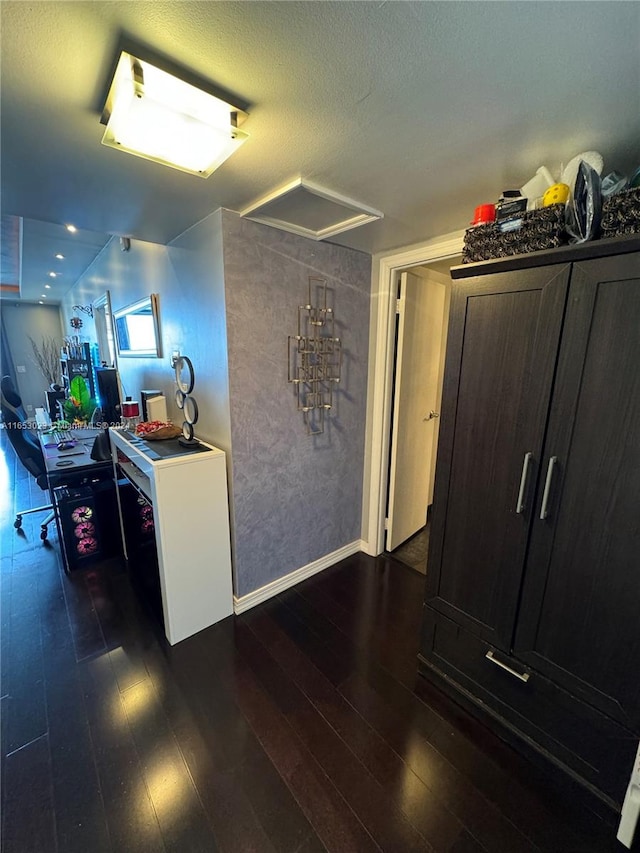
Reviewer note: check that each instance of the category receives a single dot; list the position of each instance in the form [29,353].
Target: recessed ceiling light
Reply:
[47,286]
[40,302]
[53,274]
[43,295]
[72,228]
[60,257]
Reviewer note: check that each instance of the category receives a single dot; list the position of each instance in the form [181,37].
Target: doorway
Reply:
[432,260]
[422,312]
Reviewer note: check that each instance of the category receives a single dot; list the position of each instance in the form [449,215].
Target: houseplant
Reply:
[80,405]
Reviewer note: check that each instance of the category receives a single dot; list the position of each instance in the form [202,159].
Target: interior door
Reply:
[579,617]
[421,309]
[501,355]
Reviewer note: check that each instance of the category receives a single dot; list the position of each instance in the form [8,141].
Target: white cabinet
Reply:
[188,492]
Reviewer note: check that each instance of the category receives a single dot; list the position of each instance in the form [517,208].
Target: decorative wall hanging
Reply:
[315,358]
[185,380]
[86,309]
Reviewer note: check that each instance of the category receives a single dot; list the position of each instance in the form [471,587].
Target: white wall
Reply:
[188,276]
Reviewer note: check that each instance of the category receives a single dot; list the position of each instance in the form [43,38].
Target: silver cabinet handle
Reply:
[523,676]
[431,415]
[523,482]
[544,512]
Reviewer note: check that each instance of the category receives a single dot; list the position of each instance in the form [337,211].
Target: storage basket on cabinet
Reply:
[539,229]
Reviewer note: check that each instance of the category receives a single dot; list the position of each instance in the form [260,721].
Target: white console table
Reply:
[188,492]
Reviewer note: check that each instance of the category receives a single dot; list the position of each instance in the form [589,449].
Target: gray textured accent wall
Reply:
[296,497]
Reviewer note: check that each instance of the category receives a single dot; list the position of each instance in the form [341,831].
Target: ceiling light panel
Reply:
[155,115]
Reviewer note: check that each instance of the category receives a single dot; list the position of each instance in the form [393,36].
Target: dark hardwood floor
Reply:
[297,727]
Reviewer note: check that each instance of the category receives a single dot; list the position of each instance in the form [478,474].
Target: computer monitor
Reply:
[145,395]
[109,398]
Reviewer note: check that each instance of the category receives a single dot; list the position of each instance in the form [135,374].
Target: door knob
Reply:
[431,415]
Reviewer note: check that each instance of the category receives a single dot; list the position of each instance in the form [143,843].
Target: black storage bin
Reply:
[539,229]
[621,214]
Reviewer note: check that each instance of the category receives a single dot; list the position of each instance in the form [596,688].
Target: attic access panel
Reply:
[309,210]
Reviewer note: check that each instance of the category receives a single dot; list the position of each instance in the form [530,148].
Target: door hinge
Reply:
[399,306]
[386,524]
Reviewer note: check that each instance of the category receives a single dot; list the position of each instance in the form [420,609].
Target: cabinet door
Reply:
[501,355]
[580,613]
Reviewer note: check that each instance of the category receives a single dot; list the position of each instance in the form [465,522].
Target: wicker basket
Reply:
[540,229]
[168,431]
[621,214]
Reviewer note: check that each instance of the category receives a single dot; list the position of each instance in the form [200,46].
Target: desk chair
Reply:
[26,447]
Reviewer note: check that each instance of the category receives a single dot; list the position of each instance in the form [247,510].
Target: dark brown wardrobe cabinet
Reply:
[532,606]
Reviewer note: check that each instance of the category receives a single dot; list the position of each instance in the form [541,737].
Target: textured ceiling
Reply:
[421,110]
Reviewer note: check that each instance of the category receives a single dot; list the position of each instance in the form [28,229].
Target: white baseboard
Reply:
[251,599]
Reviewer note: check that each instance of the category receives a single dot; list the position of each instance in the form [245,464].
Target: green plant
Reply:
[80,405]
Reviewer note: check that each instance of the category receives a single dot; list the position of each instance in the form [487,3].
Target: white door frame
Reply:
[380,385]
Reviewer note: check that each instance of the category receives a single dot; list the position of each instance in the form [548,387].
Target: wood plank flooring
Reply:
[297,727]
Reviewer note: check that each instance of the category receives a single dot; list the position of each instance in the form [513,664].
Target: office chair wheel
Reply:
[18,522]
[43,533]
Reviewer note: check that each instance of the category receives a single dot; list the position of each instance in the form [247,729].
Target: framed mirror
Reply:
[137,329]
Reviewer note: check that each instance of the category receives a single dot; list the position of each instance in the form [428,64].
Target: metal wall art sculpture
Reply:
[315,358]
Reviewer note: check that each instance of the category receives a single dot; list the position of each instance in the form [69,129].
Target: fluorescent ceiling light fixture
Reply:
[310,210]
[155,115]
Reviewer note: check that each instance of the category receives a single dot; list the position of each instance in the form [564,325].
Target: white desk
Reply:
[188,492]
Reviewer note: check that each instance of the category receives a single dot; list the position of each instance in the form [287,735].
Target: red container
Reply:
[483,214]
[130,409]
